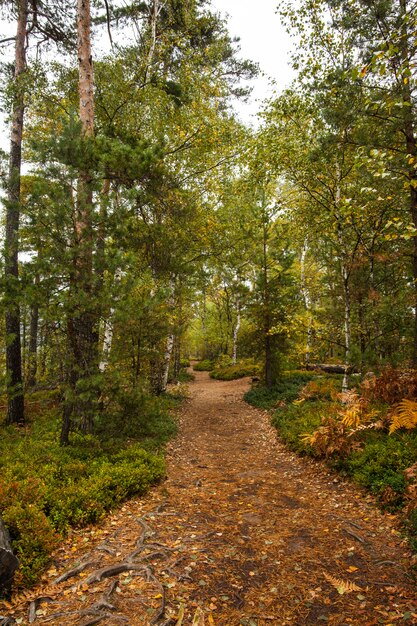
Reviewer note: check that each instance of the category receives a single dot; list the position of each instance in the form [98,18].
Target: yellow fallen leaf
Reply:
[180,615]
[352,568]
[158,595]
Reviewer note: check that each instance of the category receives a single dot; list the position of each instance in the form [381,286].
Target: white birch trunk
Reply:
[108,332]
[154,13]
[346,287]
[307,303]
[167,361]
[236,333]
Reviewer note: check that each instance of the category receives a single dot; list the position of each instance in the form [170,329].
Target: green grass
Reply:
[46,489]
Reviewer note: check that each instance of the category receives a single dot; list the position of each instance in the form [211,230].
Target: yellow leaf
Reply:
[180,615]
[352,568]
[158,595]
[198,619]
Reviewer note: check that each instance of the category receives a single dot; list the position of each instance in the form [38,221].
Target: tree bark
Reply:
[236,332]
[8,561]
[82,318]
[167,361]
[411,145]
[15,398]
[307,304]
[33,346]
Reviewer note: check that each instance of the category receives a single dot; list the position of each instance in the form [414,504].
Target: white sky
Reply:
[262,39]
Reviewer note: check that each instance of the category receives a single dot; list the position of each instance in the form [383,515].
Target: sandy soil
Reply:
[242,532]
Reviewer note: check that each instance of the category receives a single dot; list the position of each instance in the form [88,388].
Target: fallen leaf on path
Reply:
[180,615]
[342,586]
[198,619]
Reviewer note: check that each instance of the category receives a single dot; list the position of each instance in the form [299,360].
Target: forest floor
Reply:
[242,532]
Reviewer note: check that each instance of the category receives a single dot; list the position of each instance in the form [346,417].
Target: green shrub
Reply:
[287,390]
[185,363]
[46,489]
[203,366]
[33,539]
[295,420]
[231,372]
[135,414]
[380,464]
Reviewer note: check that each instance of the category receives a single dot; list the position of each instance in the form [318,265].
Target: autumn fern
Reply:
[405,416]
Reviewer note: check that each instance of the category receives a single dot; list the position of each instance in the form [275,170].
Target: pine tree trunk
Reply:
[82,318]
[15,408]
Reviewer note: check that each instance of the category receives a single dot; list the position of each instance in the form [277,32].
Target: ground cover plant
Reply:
[203,366]
[367,434]
[237,370]
[46,489]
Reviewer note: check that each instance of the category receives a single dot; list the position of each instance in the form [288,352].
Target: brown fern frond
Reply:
[379,425]
[405,416]
[342,586]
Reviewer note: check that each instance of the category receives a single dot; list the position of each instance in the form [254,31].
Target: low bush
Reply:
[46,489]
[287,390]
[231,372]
[203,366]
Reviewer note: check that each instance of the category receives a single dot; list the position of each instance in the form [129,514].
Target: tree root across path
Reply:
[241,533]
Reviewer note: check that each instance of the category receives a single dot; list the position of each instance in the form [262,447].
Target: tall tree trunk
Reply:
[153,19]
[82,317]
[33,342]
[236,332]
[268,340]
[409,111]
[15,407]
[167,361]
[347,324]
[307,304]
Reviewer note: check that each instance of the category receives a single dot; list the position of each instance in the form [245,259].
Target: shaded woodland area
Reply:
[145,224]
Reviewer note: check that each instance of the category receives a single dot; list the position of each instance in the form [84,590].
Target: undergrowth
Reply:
[285,391]
[46,489]
[361,433]
[203,366]
[239,370]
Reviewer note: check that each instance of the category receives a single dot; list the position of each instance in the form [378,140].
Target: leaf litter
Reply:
[242,532]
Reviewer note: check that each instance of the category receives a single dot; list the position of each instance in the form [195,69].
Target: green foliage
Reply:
[239,370]
[286,390]
[203,366]
[135,414]
[379,465]
[46,489]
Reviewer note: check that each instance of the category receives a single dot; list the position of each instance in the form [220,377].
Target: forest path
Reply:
[242,532]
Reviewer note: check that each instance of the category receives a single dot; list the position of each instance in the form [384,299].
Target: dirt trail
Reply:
[242,532]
